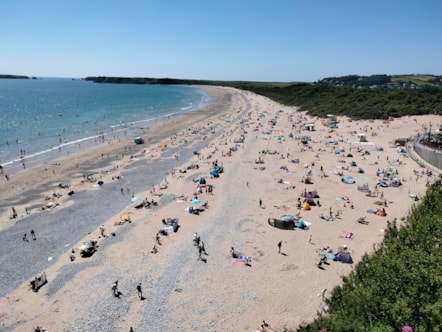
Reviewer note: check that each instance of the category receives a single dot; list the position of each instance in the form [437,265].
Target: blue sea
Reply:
[40,117]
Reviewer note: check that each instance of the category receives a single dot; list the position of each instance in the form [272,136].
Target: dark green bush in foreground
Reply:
[399,284]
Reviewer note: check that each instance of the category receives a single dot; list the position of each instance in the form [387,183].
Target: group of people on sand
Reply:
[25,236]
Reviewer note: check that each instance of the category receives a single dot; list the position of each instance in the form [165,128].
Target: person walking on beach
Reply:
[157,239]
[140,291]
[33,235]
[25,237]
[196,239]
[102,230]
[14,212]
[260,203]
[115,288]
[279,247]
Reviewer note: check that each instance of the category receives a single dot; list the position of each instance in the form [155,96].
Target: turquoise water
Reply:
[40,116]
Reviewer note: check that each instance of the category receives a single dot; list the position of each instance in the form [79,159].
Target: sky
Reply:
[250,40]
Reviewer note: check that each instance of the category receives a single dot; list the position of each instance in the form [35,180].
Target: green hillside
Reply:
[358,97]
[357,103]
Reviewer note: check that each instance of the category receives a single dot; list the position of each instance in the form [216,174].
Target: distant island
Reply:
[14,76]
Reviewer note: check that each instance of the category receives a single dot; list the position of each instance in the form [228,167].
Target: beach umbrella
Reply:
[196,201]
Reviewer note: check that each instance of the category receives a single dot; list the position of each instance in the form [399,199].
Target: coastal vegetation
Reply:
[399,285]
[358,97]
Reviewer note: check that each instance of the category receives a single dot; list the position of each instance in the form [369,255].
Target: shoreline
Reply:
[118,148]
[183,292]
[113,133]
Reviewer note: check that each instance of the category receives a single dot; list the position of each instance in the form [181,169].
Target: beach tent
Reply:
[349,155]
[138,140]
[347,179]
[302,225]
[353,163]
[364,188]
[362,137]
[202,181]
[361,170]
[233,148]
[343,257]
[381,213]
[281,224]
[307,206]
[337,151]
[125,217]
[382,183]
[214,173]
[396,182]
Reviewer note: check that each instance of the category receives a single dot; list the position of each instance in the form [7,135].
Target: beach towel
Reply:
[347,235]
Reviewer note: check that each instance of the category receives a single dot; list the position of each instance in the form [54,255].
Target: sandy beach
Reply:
[265,171]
